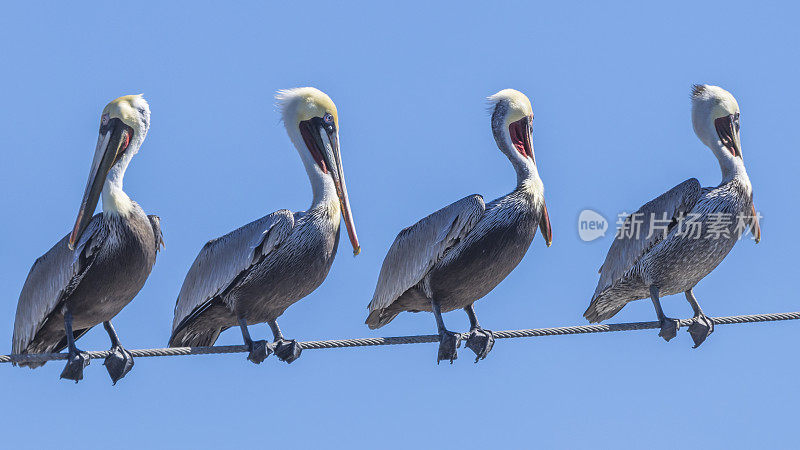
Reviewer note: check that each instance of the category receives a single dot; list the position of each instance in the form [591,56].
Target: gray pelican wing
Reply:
[638,233]
[51,279]
[419,247]
[222,260]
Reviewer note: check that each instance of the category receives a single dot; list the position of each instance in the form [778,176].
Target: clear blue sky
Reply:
[610,88]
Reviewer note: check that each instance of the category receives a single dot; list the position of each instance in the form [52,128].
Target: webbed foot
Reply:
[700,329]
[76,361]
[287,350]
[481,342]
[118,363]
[448,343]
[259,350]
[669,328]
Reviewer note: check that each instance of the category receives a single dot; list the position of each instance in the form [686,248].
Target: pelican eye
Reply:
[327,121]
[736,121]
[104,120]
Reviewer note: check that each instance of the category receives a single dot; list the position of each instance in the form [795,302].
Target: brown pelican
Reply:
[674,241]
[92,273]
[252,274]
[458,254]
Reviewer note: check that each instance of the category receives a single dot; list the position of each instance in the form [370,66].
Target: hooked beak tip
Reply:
[357,251]
[73,239]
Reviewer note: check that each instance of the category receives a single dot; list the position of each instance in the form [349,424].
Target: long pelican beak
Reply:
[522,136]
[755,227]
[544,226]
[112,142]
[323,142]
[341,191]
[729,134]
[521,133]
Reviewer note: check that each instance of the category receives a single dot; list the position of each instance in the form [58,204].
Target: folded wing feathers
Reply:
[419,247]
[50,277]
[626,250]
[221,260]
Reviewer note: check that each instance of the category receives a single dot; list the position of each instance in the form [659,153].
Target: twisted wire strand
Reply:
[398,340]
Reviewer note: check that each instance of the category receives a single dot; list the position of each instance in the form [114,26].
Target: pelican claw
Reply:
[448,343]
[76,362]
[481,342]
[118,363]
[287,350]
[669,328]
[259,350]
[700,329]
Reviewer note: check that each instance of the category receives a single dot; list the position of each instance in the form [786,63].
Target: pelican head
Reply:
[312,122]
[715,117]
[512,126]
[123,126]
